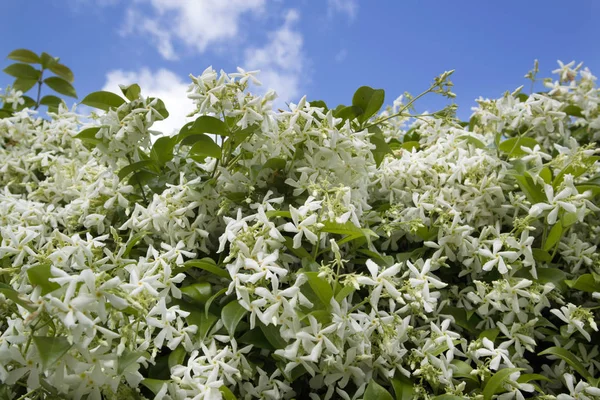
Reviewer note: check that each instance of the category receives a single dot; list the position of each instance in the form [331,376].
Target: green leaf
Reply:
[19,70]
[213,298]
[273,335]
[491,334]
[177,356]
[320,286]
[381,148]
[13,295]
[51,349]
[162,150]
[546,175]
[129,358]
[274,164]
[553,236]
[204,146]
[24,55]
[227,393]
[208,265]
[495,382]
[449,397]
[584,283]
[512,146]
[40,275]
[569,358]
[203,124]
[131,92]
[256,338]
[463,370]
[199,292]
[61,86]
[524,378]
[52,101]
[369,100]
[344,292]
[231,315]
[24,84]
[410,145]
[472,140]
[573,111]
[142,177]
[154,385]
[89,135]
[204,322]
[347,113]
[136,166]
[375,391]
[300,252]
[103,100]
[63,71]
[403,388]
[47,60]
[159,106]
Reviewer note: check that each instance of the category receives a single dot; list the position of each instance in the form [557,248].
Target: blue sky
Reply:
[323,48]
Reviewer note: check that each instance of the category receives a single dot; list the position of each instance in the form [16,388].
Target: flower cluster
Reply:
[307,253]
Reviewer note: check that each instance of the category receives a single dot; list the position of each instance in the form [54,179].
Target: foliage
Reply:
[354,252]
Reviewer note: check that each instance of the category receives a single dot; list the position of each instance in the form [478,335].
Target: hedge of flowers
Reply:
[361,252]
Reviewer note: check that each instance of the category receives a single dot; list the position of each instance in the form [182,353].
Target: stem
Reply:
[139,183]
[402,110]
[37,102]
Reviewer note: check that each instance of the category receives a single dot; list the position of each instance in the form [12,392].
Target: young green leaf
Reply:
[40,276]
[199,292]
[51,349]
[584,283]
[24,84]
[512,146]
[205,146]
[24,55]
[154,385]
[47,60]
[162,150]
[61,86]
[208,265]
[496,382]
[231,315]
[375,391]
[103,100]
[403,388]
[14,296]
[131,92]
[226,393]
[320,286]
[22,71]
[62,71]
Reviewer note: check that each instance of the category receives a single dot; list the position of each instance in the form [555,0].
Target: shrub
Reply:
[355,252]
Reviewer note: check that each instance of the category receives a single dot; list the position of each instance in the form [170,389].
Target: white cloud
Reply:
[164,84]
[348,7]
[195,23]
[281,60]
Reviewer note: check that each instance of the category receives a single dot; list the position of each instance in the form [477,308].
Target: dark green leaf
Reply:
[103,100]
[19,70]
[369,100]
[61,86]
[40,275]
[375,391]
[524,378]
[213,298]
[136,166]
[344,292]
[162,149]
[131,92]
[231,315]
[199,292]
[273,335]
[177,356]
[208,265]
[573,111]
[553,236]
[89,135]
[569,358]
[63,71]
[347,113]
[256,338]
[491,334]
[204,322]
[204,124]
[51,349]
[472,140]
[154,385]
[24,55]
[584,283]
[496,383]
[275,163]
[24,84]
[381,148]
